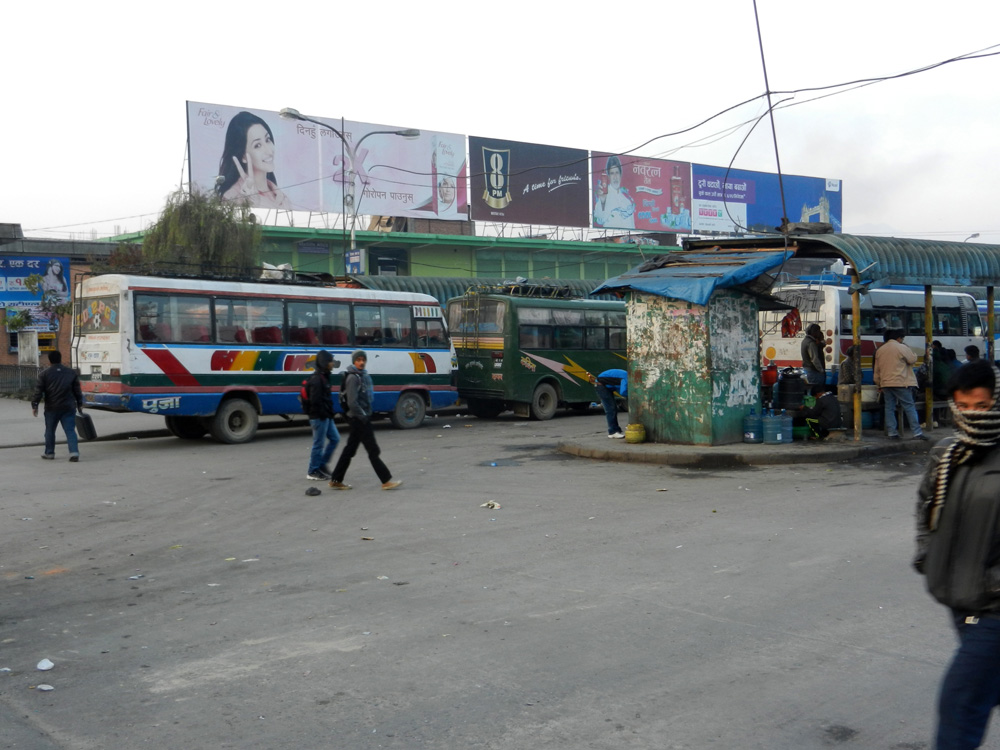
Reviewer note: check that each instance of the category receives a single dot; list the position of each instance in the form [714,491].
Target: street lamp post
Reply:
[349,152]
[971,237]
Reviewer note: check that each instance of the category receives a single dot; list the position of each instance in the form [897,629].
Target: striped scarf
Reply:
[976,431]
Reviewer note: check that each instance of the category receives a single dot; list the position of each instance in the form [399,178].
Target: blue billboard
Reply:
[740,201]
[14,292]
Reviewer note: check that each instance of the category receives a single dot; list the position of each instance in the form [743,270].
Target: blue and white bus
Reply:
[213,356]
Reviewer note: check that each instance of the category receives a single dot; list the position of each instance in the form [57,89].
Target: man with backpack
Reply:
[356,393]
[318,404]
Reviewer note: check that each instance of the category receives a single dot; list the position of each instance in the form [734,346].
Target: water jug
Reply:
[772,429]
[753,427]
[787,432]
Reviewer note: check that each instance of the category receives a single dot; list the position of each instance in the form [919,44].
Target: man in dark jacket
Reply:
[324,429]
[59,387]
[360,391]
[824,415]
[958,552]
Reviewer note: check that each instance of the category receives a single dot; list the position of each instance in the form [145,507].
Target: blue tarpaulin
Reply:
[693,276]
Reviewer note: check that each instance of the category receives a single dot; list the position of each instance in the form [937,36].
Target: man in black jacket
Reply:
[958,552]
[59,387]
[825,415]
[320,410]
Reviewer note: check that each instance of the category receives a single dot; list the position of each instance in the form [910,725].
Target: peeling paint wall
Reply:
[693,369]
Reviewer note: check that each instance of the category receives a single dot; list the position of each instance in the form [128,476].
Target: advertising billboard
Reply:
[528,183]
[15,295]
[634,192]
[340,167]
[739,200]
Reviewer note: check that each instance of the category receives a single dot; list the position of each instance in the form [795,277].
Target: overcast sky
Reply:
[94,118]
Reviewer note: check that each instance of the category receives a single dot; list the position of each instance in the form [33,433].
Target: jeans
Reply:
[971,686]
[68,421]
[361,433]
[814,377]
[607,397]
[905,397]
[324,431]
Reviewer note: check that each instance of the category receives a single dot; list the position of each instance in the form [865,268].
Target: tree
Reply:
[203,235]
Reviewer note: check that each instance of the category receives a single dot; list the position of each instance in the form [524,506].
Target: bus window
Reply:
[597,338]
[535,337]
[173,318]
[947,322]
[616,330]
[368,325]
[430,334]
[303,323]
[567,337]
[265,318]
[396,321]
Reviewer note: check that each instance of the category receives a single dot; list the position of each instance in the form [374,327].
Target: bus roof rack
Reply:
[519,289]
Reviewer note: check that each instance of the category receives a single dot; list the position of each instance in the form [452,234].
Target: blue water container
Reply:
[787,433]
[753,427]
[772,429]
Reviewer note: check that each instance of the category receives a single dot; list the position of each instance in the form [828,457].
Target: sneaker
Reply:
[334,484]
[74,459]
[390,485]
[616,436]
[317,476]
[48,457]
[921,436]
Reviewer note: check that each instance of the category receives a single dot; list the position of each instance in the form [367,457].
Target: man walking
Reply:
[894,376]
[359,391]
[958,539]
[59,387]
[320,410]
[606,384]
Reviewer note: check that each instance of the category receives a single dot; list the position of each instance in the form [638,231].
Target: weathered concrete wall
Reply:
[693,368]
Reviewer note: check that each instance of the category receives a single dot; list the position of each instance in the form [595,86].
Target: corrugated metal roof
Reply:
[892,260]
[446,287]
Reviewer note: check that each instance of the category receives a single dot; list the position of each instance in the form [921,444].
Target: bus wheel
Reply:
[544,402]
[234,422]
[186,428]
[485,408]
[409,411]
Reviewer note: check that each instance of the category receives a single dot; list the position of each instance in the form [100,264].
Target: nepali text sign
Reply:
[634,192]
[15,295]
[340,167]
[739,200]
[528,183]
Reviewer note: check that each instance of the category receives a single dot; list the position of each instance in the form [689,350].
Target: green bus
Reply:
[529,353]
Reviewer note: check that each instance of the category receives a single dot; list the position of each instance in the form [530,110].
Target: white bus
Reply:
[956,323]
[213,356]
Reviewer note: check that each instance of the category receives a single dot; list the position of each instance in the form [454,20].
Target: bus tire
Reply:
[186,428]
[409,412]
[544,402]
[483,408]
[235,422]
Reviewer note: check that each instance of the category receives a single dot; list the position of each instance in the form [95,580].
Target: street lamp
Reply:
[348,152]
[971,237]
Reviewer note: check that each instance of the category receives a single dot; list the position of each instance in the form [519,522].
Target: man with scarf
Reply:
[958,552]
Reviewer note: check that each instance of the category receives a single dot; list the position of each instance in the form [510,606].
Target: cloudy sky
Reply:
[94,127]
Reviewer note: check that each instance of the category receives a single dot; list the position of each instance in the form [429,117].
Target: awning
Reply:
[693,276]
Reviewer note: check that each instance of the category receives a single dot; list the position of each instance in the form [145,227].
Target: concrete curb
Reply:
[742,455]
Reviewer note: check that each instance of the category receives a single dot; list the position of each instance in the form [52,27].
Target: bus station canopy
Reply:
[692,276]
[882,261]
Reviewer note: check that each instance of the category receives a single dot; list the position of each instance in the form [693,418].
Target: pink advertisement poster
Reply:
[634,192]
[325,164]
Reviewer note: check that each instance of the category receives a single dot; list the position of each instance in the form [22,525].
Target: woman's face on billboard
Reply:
[260,149]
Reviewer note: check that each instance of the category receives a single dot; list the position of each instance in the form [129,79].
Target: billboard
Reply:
[738,200]
[634,192]
[528,183]
[341,167]
[14,293]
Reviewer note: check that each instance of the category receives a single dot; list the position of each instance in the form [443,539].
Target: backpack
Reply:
[304,397]
[343,391]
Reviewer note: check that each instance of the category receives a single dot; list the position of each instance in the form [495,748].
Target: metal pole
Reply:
[928,359]
[990,326]
[856,341]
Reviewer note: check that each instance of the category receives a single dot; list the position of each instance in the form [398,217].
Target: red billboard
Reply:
[634,192]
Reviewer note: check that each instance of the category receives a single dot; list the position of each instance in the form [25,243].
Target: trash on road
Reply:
[491,504]
[44,688]
[312,491]
[44,665]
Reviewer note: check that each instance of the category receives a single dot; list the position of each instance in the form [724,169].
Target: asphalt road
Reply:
[191,595]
